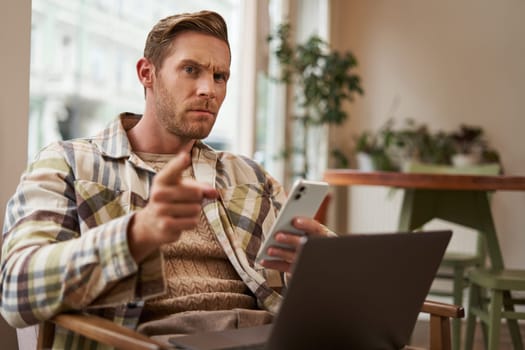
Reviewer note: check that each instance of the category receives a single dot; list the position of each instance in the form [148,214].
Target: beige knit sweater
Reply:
[199,274]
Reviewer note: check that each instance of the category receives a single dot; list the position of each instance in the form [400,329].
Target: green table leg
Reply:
[467,208]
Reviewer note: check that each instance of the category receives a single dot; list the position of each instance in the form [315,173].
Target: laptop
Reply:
[359,291]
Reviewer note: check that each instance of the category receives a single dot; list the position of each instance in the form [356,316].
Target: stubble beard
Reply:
[175,119]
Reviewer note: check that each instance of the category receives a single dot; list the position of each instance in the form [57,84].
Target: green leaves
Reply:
[324,78]
[415,142]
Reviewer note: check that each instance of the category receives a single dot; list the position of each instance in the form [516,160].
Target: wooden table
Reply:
[462,199]
[348,177]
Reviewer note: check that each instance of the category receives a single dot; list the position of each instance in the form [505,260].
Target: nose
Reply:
[206,86]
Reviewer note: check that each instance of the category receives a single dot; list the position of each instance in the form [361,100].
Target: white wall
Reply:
[443,63]
[15,29]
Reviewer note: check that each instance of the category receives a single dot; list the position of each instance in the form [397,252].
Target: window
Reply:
[271,105]
[275,131]
[83,56]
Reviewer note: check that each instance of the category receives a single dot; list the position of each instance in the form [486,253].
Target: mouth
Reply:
[203,112]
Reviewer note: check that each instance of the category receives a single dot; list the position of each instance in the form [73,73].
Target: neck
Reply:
[146,136]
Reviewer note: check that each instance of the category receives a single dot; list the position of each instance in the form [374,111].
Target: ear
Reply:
[145,72]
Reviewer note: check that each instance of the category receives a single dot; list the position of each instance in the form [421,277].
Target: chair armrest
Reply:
[101,330]
[440,315]
[442,309]
[107,332]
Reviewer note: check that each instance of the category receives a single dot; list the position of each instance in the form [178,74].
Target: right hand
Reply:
[175,205]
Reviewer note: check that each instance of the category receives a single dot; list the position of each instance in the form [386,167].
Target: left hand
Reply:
[287,257]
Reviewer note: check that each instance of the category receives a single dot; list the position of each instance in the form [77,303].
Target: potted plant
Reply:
[393,148]
[323,79]
[371,150]
[471,147]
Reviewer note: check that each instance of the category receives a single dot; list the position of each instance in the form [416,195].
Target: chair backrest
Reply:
[8,335]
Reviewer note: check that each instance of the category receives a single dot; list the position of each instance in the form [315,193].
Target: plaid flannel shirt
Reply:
[64,239]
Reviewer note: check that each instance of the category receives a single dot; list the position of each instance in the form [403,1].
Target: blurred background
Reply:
[69,69]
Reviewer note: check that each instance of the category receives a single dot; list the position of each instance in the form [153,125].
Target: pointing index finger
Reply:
[171,174]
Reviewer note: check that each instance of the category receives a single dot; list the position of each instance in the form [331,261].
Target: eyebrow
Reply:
[186,61]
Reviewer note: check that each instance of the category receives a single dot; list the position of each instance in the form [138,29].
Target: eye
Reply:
[190,70]
[220,77]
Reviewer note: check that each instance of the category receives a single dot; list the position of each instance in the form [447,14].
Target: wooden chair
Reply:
[107,332]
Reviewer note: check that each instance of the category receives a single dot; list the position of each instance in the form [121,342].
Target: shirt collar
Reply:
[113,141]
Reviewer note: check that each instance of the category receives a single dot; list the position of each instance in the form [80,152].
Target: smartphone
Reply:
[304,200]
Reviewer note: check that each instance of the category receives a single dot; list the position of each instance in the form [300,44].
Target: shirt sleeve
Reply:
[48,265]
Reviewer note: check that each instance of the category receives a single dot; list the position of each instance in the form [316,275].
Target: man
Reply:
[145,224]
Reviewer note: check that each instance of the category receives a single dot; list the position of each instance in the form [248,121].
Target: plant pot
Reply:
[365,162]
[465,159]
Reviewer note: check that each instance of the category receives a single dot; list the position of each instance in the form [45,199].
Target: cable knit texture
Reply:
[198,273]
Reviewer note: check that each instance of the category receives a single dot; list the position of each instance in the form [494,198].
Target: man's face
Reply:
[191,85]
